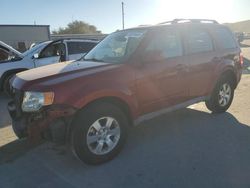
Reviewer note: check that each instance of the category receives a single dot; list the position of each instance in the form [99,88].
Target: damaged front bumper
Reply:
[49,122]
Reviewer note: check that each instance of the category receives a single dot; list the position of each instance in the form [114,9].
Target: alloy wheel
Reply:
[103,135]
[225,93]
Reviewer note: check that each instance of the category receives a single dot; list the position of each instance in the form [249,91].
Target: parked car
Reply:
[131,76]
[239,36]
[45,53]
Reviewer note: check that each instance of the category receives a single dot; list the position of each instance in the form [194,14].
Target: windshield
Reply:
[117,47]
[35,48]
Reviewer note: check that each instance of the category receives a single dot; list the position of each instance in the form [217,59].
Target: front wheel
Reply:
[99,133]
[221,97]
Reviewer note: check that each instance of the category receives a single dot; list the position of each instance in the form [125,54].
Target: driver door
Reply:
[53,53]
[161,80]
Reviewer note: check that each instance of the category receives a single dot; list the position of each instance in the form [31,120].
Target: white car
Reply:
[45,53]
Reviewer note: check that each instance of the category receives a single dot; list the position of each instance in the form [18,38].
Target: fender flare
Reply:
[124,96]
[223,71]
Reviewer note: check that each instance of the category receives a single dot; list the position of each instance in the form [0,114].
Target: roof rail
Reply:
[176,21]
[144,25]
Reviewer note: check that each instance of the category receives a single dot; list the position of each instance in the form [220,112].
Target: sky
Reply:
[106,14]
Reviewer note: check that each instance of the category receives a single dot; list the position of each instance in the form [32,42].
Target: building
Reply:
[78,36]
[21,37]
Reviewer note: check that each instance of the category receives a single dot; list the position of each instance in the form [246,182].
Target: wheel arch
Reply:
[230,74]
[122,104]
[8,73]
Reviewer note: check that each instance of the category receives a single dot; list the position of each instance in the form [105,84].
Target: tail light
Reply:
[241,59]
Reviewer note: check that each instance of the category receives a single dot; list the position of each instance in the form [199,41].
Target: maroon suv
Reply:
[131,76]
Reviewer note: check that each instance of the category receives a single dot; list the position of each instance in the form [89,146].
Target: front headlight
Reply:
[34,101]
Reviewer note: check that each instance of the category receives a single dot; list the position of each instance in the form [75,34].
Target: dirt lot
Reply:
[186,148]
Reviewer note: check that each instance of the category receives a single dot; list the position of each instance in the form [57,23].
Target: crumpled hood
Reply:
[49,75]
[56,69]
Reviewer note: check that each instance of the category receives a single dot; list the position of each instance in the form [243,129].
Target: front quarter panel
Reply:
[118,82]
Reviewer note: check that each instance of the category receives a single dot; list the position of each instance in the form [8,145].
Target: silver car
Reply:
[45,53]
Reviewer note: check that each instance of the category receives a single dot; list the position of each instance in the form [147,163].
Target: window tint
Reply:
[167,42]
[225,38]
[80,47]
[54,49]
[198,41]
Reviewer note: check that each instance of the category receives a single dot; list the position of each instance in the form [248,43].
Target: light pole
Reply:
[122,15]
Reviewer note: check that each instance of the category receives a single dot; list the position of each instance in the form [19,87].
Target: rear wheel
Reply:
[99,133]
[221,97]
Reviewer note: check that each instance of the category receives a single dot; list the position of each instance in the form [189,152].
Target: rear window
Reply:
[198,41]
[225,38]
[80,47]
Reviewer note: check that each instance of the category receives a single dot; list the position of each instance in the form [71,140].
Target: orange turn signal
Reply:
[48,98]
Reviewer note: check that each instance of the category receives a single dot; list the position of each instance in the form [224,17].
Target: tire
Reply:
[6,85]
[91,140]
[221,97]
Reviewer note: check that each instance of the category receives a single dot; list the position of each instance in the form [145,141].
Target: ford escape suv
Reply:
[131,76]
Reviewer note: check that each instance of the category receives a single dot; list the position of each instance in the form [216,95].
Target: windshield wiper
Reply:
[94,59]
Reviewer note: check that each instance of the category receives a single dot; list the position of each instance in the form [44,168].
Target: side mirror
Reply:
[36,56]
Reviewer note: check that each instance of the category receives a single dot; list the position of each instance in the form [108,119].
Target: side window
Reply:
[79,47]
[52,50]
[167,42]
[225,38]
[198,41]
[4,54]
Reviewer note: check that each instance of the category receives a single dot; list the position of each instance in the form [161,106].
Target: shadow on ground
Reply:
[186,148]
[5,119]
[15,149]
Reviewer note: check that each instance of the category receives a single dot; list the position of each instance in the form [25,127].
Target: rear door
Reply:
[161,79]
[77,49]
[201,58]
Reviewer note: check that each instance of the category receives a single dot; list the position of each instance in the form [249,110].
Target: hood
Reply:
[58,73]
[56,69]
[4,45]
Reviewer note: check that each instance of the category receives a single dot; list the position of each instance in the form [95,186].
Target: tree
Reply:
[77,27]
